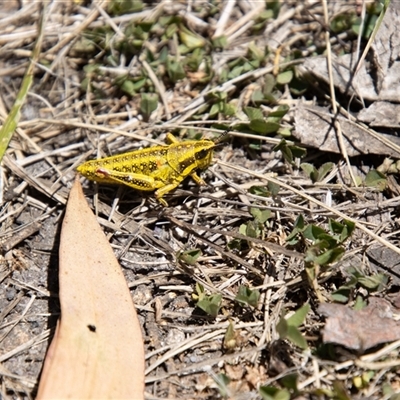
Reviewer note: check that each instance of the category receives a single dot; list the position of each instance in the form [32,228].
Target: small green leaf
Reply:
[236,71]
[229,109]
[286,152]
[299,224]
[272,393]
[255,146]
[254,52]
[324,251]
[298,152]
[376,281]
[200,293]
[85,84]
[271,127]
[128,87]
[341,22]
[273,188]
[257,96]
[298,86]
[325,242]
[387,391]
[275,7]
[220,42]
[327,257]
[247,296]
[285,132]
[342,231]
[280,112]
[236,244]
[148,104]
[230,337]
[295,336]
[282,328]
[290,382]
[190,39]
[284,77]
[298,227]
[269,84]
[210,304]
[190,256]
[243,229]
[223,381]
[310,171]
[271,118]
[324,170]
[287,327]
[260,215]
[299,316]
[253,113]
[311,271]
[313,232]
[91,68]
[270,12]
[289,152]
[217,95]
[252,230]
[216,108]
[335,226]
[260,191]
[175,70]
[340,392]
[341,295]
[359,304]
[120,7]
[171,30]
[368,28]
[376,179]
[259,126]
[194,60]
[347,230]
[139,84]
[163,55]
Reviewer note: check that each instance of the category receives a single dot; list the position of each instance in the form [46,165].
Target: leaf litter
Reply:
[98,326]
[360,329]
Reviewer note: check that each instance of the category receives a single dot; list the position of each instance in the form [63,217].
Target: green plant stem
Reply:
[14,116]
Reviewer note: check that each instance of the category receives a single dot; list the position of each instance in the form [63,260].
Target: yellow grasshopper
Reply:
[159,167]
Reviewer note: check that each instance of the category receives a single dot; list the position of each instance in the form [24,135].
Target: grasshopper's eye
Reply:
[200,155]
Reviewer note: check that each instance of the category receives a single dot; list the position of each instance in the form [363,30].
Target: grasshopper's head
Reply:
[203,153]
[204,150]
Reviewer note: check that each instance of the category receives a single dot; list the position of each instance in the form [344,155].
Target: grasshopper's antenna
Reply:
[221,137]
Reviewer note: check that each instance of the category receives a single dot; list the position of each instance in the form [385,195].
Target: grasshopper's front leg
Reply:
[160,193]
[170,138]
[136,181]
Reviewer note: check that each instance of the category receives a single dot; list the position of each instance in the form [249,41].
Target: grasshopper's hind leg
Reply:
[136,181]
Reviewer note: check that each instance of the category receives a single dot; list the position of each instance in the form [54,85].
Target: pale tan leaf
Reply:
[360,330]
[97,351]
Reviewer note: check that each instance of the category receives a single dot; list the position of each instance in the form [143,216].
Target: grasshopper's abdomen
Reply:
[143,162]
